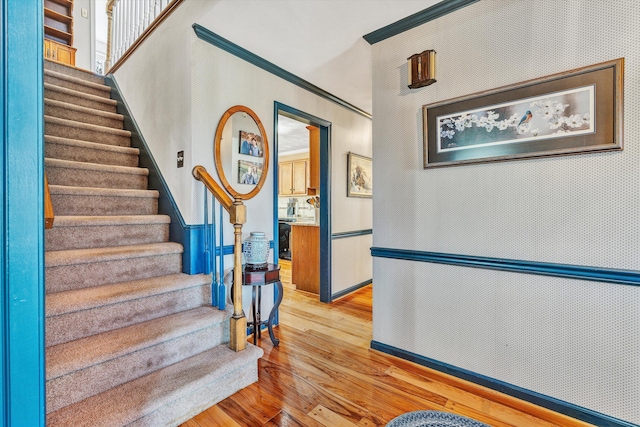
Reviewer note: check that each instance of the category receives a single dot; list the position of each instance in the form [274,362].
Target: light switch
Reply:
[84,13]
[180,159]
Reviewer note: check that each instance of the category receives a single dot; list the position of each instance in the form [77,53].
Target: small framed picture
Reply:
[359,177]
[251,144]
[249,172]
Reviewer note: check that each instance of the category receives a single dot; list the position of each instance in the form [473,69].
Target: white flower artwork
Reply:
[558,113]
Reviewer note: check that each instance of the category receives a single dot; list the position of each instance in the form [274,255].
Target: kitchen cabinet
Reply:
[292,179]
[305,257]
[55,51]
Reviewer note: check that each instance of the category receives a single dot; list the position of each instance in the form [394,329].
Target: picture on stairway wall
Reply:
[571,112]
[249,172]
[251,144]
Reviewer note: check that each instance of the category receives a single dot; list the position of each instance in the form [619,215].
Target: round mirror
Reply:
[241,152]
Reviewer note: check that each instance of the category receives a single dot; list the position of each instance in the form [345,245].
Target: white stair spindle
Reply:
[147,13]
[140,20]
[117,20]
[157,9]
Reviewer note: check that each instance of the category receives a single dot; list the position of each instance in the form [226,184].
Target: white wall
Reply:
[178,87]
[221,80]
[573,340]
[82,34]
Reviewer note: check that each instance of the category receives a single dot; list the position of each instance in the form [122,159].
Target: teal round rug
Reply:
[433,419]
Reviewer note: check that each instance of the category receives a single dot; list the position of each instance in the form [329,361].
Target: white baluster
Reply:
[134,21]
[123,20]
[157,9]
[140,14]
[117,20]
[147,13]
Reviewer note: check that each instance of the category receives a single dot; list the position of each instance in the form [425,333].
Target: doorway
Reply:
[302,197]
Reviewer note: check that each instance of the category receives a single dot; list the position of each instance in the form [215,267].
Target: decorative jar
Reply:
[256,250]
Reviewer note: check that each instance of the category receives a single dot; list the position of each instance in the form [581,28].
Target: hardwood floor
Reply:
[324,374]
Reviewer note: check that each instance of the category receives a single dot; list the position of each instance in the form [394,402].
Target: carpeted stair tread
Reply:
[94,152]
[86,126]
[82,353]
[94,255]
[134,400]
[96,167]
[65,80]
[59,303]
[67,95]
[87,132]
[65,110]
[161,347]
[84,174]
[73,71]
[88,220]
[79,232]
[96,191]
[85,314]
[73,200]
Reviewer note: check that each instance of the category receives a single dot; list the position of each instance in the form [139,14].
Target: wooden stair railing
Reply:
[48,206]
[237,216]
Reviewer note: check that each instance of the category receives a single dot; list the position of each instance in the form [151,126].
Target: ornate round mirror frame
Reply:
[217,157]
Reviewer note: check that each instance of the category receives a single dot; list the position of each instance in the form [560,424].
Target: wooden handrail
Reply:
[237,216]
[201,174]
[48,206]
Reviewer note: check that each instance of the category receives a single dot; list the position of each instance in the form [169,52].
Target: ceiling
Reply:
[293,136]
[317,40]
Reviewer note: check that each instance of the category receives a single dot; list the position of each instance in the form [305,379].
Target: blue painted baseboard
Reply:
[351,289]
[347,234]
[548,402]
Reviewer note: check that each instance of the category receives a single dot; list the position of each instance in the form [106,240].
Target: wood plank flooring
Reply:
[324,374]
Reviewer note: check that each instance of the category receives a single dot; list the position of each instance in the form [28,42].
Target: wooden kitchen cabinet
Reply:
[304,242]
[55,51]
[292,179]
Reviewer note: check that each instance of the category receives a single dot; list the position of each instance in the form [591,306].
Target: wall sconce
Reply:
[422,69]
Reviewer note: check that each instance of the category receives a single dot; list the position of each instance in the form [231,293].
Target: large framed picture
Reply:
[359,177]
[572,112]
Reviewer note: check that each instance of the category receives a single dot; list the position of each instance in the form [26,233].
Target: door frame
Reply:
[325,190]
[22,346]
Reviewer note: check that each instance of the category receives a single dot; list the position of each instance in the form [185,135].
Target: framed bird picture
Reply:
[576,111]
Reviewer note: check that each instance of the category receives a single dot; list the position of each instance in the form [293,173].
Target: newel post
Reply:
[238,325]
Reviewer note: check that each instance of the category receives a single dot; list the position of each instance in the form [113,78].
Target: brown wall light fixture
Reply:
[422,69]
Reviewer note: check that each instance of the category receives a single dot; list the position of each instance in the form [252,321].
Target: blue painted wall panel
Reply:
[22,214]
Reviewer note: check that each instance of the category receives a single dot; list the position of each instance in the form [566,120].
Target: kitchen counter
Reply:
[305,224]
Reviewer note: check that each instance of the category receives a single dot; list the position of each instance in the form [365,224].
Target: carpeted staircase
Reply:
[130,339]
